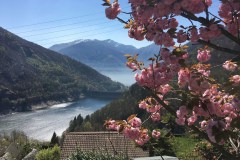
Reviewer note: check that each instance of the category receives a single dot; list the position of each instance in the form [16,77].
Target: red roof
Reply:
[104,142]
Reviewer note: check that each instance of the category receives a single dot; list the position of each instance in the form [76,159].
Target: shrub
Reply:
[80,155]
[49,154]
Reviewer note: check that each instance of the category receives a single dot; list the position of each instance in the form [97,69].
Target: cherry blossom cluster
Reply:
[152,107]
[132,129]
[157,23]
[113,10]
[208,106]
[213,109]
[204,55]
[235,80]
[229,11]
[211,32]
[196,76]
[162,72]
[230,66]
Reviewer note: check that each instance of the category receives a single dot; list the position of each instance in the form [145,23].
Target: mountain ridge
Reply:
[31,74]
[107,52]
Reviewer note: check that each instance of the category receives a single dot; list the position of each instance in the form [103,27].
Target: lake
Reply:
[41,124]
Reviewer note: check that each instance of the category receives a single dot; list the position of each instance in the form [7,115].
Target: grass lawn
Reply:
[184,148]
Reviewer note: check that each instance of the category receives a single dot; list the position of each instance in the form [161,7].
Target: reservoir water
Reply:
[41,124]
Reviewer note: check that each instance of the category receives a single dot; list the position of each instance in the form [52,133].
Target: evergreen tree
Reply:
[87,118]
[79,120]
[54,140]
[72,125]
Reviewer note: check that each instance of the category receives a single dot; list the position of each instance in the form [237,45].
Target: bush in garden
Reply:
[199,102]
[49,154]
[80,155]
[207,151]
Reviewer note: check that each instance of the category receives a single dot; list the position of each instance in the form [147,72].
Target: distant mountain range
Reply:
[31,74]
[105,53]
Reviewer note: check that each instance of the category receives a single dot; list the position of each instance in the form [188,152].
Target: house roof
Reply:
[104,142]
[13,149]
[31,155]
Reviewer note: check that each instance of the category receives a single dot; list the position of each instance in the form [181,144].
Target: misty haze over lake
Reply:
[123,75]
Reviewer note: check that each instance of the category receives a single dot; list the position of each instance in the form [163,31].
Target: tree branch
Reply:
[206,23]
[219,48]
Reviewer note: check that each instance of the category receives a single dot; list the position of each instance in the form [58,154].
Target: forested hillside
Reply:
[31,74]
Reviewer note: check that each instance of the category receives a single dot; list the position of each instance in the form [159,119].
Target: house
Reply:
[31,155]
[110,143]
[11,152]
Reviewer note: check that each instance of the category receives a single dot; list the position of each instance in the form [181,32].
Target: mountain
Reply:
[58,47]
[31,74]
[127,104]
[149,51]
[94,53]
[120,47]
[105,53]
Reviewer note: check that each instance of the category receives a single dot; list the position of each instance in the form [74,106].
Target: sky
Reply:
[49,22]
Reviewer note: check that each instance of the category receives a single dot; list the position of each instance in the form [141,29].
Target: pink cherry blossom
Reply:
[194,35]
[230,66]
[208,2]
[164,89]
[191,120]
[156,134]
[140,142]
[183,77]
[112,125]
[131,132]
[203,55]
[155,116]
[113,10]
[181,36]
[235,79]
[181,114]
[143,105]
[135,122]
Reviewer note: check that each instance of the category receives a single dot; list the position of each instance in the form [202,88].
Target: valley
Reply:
[31,75]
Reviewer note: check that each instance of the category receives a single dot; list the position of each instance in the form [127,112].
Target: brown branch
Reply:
[229,35]
[121,20]
[161,102]
[206,23]
[235,52]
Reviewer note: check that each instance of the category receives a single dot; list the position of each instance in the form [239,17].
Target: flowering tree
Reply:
[207,107]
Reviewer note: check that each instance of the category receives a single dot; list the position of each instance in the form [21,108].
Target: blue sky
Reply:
[48,22]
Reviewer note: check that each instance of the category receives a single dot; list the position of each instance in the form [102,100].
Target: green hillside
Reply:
[31,74]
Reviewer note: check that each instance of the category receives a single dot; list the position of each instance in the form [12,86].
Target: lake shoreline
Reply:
[40,106]
[49,103]
[41,124]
